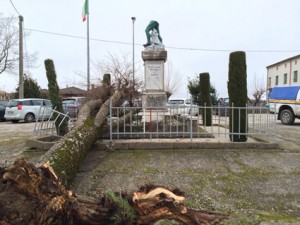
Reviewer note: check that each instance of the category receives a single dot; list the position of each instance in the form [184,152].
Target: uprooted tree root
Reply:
[31,195]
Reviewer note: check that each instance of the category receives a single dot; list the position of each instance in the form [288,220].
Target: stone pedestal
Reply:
[154,96]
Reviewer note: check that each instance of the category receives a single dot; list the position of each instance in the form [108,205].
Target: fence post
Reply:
[144,118]
[150,125]
[191,123]
[232,123]
[110,121]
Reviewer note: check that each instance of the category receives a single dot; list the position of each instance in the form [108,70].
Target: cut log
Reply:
[34,196]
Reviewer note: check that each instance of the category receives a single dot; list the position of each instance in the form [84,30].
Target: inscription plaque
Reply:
[154,76]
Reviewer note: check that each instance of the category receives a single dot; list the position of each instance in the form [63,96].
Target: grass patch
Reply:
[122,212]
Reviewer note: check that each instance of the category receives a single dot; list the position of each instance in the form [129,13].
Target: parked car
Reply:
[72,105]
[27,109]
[4,102]
[2,110]
[182,107]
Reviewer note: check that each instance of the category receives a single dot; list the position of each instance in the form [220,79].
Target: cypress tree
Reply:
[54,96]
[205,98]
[237,91]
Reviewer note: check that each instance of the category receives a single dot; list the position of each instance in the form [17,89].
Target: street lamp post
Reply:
[133,20]
[21,75]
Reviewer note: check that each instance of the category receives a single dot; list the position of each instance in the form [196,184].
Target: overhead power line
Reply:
[14,7]
[170,47]
[231,50]
[78,37]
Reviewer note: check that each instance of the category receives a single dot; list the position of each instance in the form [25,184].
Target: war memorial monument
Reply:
[154,56]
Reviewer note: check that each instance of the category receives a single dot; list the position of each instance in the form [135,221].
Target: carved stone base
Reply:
[154,100]
[154,54]
[155,106]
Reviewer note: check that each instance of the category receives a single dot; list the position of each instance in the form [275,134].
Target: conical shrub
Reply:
[237,91]
[205,99]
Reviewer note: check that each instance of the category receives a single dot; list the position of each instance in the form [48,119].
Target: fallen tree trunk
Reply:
[34,196]
[66,156]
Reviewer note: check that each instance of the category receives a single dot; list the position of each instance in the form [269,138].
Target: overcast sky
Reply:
[198,35]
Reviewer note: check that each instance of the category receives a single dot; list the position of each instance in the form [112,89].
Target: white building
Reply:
[284,73]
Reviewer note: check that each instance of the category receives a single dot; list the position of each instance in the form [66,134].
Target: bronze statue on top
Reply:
[154,38]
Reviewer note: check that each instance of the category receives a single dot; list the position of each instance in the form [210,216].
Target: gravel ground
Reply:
[252,186]
[12,142]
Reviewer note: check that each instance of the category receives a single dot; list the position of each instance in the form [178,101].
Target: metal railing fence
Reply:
[45,125]
[190,122]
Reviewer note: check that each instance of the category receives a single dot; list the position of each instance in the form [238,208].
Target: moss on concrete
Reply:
[215,180]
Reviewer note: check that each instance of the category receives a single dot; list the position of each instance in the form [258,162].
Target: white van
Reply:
[28,109]
[182,107]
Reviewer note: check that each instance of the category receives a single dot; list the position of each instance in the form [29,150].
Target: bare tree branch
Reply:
[9,51]
[258,90]
[9,43]
[121,71]
[173,79]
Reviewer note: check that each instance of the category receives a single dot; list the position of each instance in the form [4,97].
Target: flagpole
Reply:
[88,45]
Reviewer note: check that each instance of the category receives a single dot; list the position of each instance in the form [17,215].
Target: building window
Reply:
[295,62]
[295,77]
[269,82]
[285,65]
[285,78]
[276,67]
[276,80]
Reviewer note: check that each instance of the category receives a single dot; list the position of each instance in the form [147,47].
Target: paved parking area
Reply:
[288,135]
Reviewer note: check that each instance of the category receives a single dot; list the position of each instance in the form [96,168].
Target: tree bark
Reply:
[66,156]
[34,195]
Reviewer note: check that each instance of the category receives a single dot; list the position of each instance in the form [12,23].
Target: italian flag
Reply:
[85,10]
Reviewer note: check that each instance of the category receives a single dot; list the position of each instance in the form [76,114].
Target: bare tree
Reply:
[121,71]
[258,90]
[173,79]
[8,44]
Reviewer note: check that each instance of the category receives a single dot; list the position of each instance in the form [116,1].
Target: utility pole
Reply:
[133,81]
[88,46]
[21,77]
